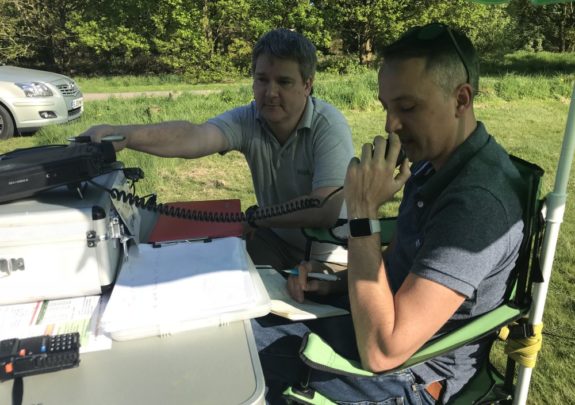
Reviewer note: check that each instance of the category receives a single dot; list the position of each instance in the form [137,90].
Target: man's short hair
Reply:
[448,53]
[282,43]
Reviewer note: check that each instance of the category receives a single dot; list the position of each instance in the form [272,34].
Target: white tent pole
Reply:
[555,210]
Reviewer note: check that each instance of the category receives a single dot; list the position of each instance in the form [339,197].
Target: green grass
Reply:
[524,62]
[526,113]
[114,84]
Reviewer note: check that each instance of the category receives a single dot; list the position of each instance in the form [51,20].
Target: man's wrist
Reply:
[361,210]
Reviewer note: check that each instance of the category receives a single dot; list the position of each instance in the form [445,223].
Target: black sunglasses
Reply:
[433,31]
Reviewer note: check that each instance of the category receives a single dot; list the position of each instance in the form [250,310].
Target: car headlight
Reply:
[35,89]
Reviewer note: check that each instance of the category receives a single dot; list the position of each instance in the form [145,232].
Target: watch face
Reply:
[359,227]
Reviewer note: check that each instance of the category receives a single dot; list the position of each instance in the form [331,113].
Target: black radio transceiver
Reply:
[39,354]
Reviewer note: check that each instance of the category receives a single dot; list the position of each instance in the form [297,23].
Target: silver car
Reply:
[31,99]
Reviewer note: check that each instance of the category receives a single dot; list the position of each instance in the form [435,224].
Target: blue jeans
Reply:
[278,341]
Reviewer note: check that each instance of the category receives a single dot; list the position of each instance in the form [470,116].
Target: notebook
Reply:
[282,304]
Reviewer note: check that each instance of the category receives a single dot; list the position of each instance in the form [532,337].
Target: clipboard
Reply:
[181,286]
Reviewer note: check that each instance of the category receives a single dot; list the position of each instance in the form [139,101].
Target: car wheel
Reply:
[6,124]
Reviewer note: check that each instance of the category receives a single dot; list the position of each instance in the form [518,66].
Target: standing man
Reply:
[458,233]
[296,146]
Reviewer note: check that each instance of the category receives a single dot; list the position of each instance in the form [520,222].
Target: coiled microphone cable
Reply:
[150,203]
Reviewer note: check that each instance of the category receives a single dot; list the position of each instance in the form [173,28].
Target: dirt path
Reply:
[105,96]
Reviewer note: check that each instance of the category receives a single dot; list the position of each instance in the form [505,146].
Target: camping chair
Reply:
[508,320]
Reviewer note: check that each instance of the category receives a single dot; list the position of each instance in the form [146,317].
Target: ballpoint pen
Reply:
[317,276]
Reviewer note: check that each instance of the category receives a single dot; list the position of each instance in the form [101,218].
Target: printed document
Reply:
[80,314]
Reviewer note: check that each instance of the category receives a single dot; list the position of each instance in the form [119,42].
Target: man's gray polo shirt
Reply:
[315,155]
[461,227]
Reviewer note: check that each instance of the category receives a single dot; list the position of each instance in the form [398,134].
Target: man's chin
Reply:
[272,116]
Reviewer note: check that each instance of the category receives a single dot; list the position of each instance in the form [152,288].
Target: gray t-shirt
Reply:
[315,155]
[461,227]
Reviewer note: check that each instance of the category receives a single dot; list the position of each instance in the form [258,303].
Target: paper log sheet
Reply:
[80,314]
[179,282]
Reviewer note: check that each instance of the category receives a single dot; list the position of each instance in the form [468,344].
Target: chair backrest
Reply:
[527,268]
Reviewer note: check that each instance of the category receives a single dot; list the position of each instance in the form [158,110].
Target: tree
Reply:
[233,26]
[11,47]
[550,27]
[362,25]
[485,25]
[36,32]
[212,39]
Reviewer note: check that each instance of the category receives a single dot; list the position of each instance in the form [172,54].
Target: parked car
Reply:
[31,99]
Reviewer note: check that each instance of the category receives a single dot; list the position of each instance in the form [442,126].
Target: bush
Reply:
[354,92]
[340,64]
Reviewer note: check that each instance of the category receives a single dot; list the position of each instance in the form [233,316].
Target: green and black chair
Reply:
[508,321]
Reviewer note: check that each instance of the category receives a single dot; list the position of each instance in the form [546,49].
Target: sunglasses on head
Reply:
[433,31]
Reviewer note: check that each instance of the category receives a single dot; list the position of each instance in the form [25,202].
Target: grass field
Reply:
[526,113]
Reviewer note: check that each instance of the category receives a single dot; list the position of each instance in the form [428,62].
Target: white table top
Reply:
[217,366]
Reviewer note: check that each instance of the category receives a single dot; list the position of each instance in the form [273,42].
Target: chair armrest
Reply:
[316,353]
[478,328]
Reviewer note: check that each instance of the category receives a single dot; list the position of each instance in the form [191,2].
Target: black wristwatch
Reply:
[250,213]
[359,227]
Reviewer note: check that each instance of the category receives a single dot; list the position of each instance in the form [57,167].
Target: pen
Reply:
[317,276]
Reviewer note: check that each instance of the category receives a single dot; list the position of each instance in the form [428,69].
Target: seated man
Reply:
[458,234]
[297,147]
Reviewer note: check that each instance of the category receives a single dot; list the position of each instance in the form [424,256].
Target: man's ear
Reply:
[308,86]
[464,98]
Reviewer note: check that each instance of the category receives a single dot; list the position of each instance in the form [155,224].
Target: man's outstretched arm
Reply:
[181,139]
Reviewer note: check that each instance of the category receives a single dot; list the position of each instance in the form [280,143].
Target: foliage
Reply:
[340,64]
[207,40]
[37,32]
[484,25]
[550,27]
[364,24]
[11,47]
